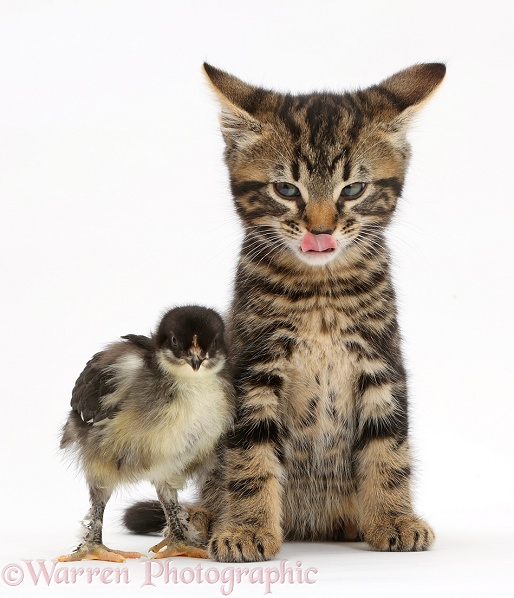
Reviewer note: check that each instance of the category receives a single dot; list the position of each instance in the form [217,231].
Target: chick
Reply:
[150,409]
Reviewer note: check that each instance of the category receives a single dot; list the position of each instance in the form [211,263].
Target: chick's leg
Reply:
[176,542]
[91,547]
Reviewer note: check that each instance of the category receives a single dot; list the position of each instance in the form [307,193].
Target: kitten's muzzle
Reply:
[321,231]
[319,242]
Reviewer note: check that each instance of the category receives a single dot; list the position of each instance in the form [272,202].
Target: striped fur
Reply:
[319,450]
[320,447]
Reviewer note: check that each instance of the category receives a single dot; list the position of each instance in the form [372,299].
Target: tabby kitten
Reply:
[320,446]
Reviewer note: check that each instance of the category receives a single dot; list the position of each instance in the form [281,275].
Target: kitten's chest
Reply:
[320,418]
[318,392]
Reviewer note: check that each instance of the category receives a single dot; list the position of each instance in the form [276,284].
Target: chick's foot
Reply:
[178,550]
[98,552]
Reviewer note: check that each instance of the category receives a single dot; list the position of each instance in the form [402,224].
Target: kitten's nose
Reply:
[321,231]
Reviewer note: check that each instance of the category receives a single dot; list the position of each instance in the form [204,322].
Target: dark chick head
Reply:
[192,336]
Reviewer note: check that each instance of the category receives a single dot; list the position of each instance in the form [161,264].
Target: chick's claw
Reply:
[159,546]
[98,552]
[178,550]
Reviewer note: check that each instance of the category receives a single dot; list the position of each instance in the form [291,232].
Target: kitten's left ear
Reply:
[409,90]
[238,103]
[413,86]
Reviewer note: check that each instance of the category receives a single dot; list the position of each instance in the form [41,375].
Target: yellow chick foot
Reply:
[178,550]
[98,552]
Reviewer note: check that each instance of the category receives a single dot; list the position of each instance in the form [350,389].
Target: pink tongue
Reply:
[318,242]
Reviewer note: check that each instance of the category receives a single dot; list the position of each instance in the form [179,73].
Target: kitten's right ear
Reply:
[238,99]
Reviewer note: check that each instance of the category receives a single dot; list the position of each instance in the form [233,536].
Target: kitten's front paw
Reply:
[403,534]
[240,544]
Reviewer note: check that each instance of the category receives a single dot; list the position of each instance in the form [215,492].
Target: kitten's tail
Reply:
[145,517]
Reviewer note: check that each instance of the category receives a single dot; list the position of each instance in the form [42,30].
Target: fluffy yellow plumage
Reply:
[150,409]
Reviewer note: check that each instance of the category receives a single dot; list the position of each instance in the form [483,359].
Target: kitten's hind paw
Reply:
[244,544]
[201,519]
[403,534]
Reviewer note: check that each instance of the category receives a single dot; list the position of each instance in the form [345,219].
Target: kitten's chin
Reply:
[317,258]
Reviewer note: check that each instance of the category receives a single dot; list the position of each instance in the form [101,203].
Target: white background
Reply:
[114,204]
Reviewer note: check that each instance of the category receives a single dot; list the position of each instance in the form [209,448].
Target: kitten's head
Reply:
[316,174]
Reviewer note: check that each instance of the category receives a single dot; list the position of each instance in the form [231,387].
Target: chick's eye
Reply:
[353,190]
[174,341]
[287,190]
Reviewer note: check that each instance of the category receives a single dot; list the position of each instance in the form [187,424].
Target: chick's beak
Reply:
[195,362]
[196,356]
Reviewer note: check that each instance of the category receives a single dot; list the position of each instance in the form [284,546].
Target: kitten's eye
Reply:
[353,190]
[287,190]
